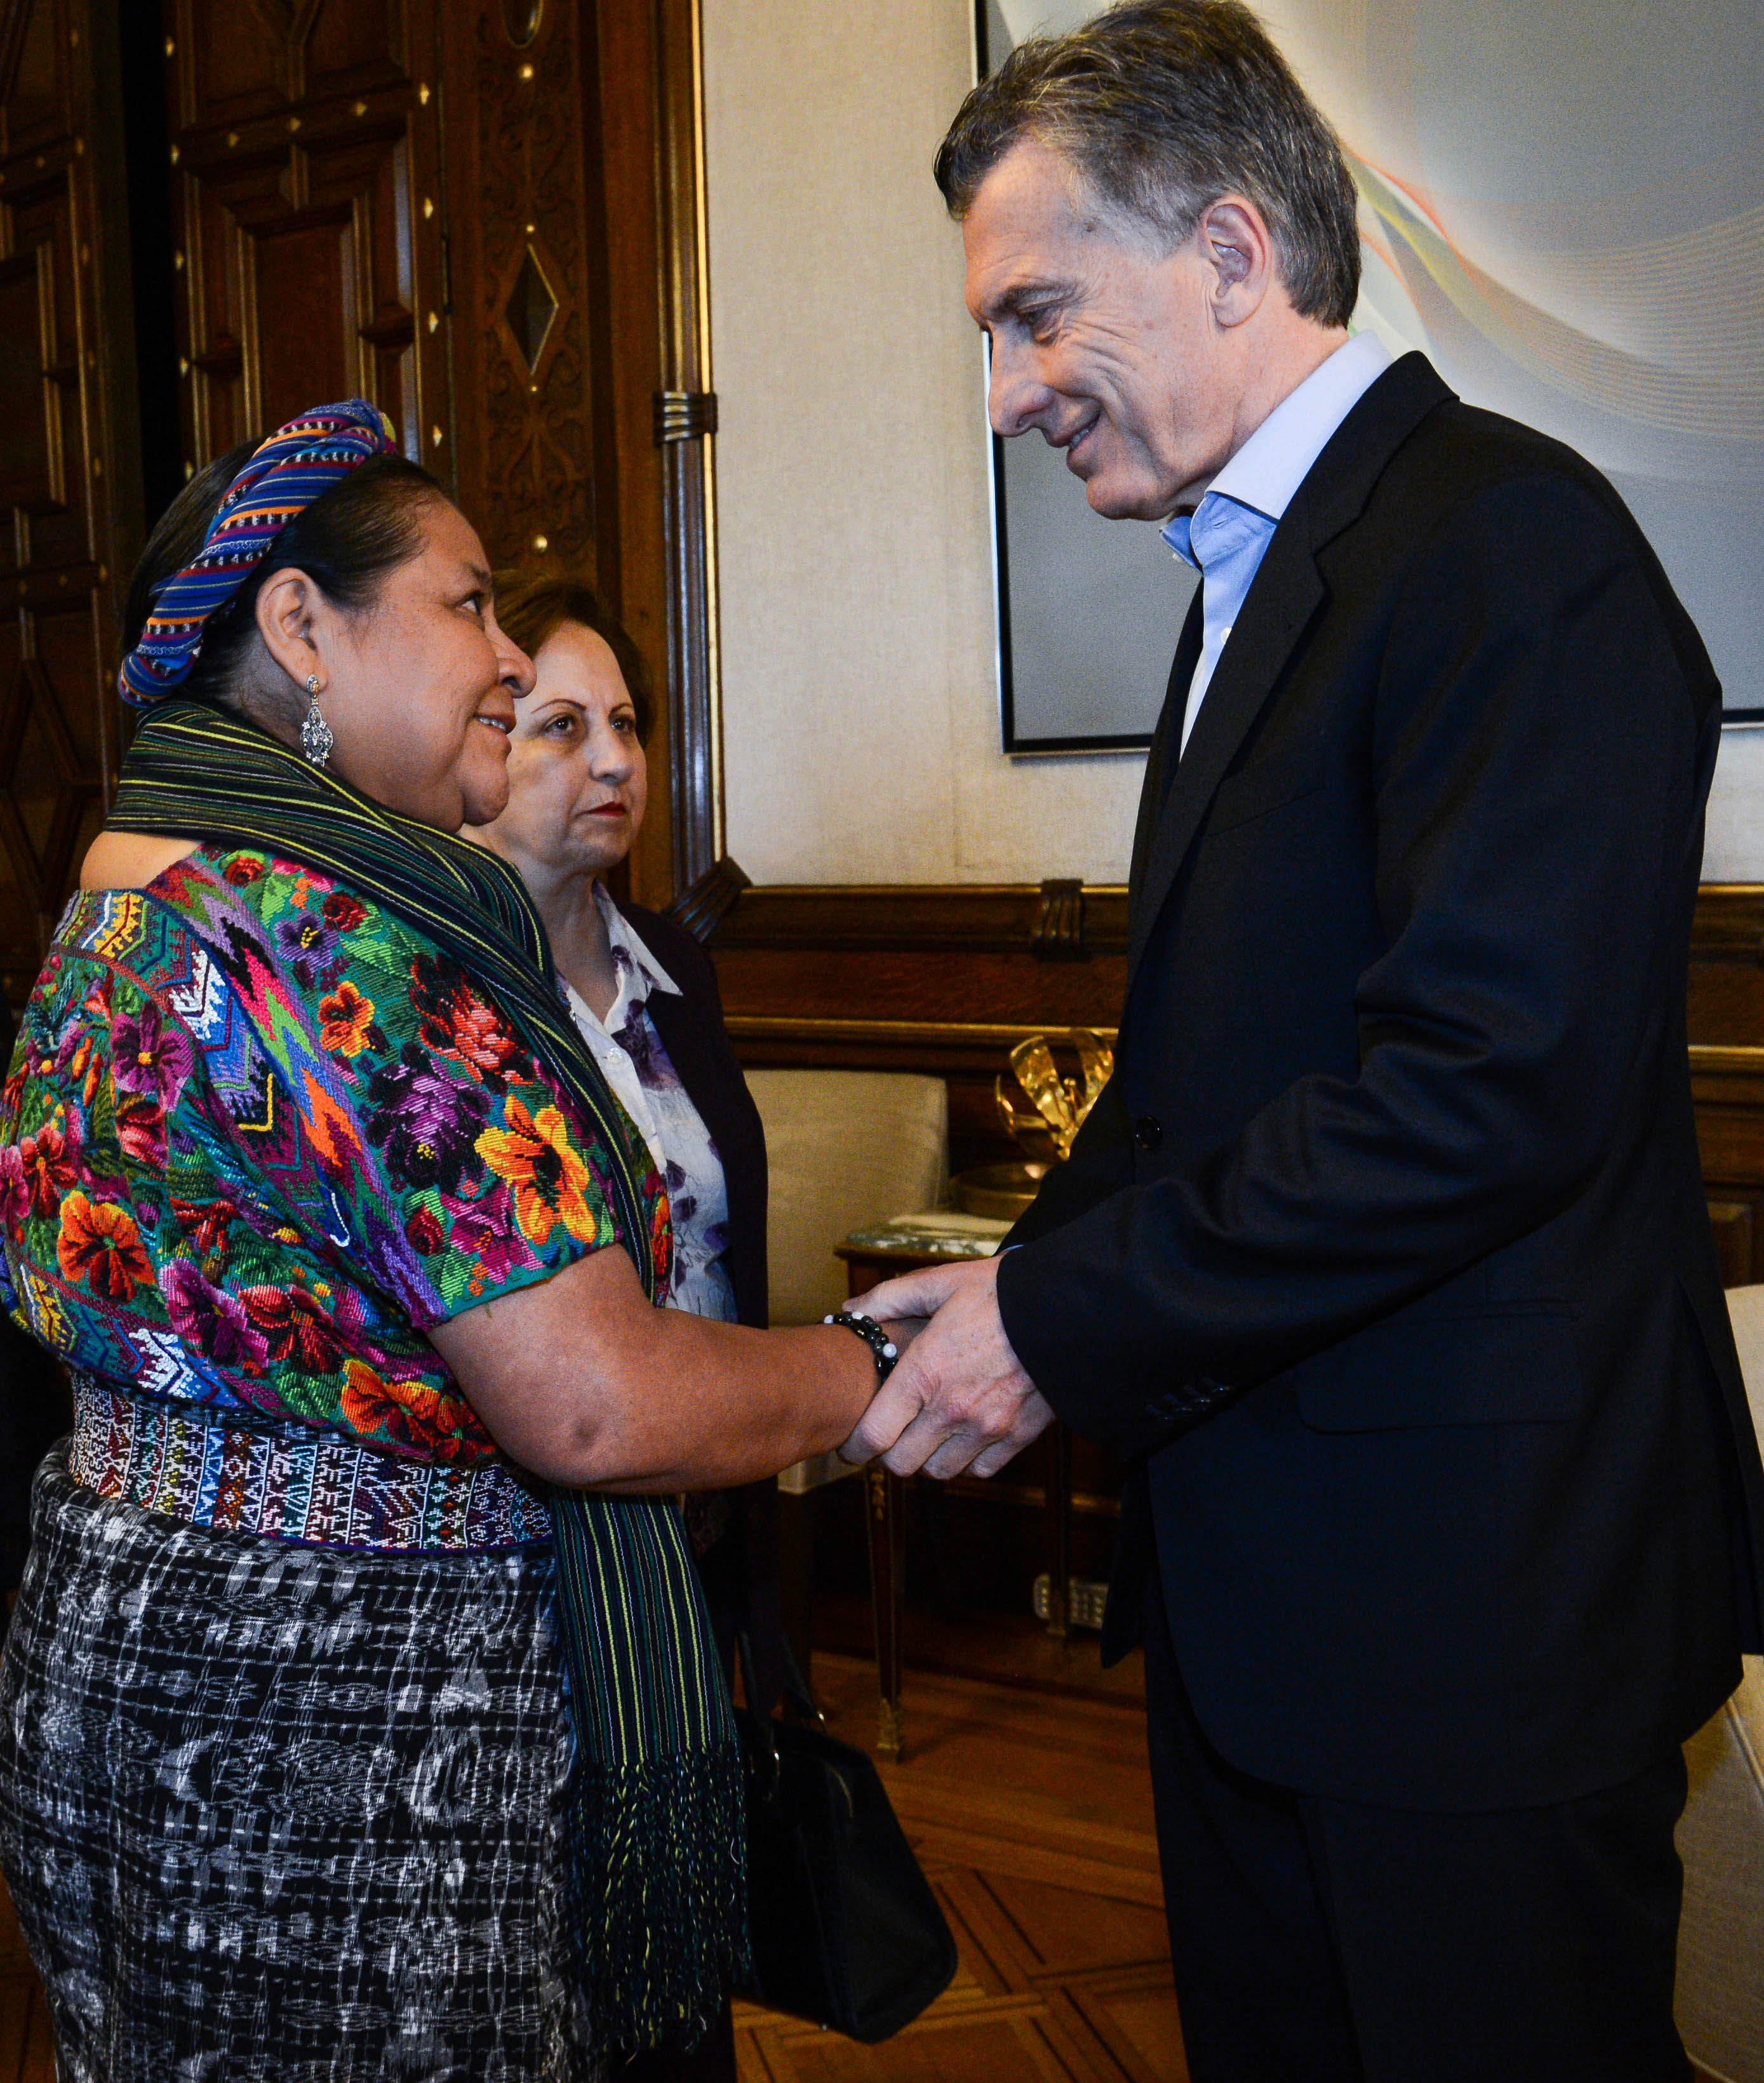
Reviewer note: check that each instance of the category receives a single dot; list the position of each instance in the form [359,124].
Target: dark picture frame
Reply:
[1089,611]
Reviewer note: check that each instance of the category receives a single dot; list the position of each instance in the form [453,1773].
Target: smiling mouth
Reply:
[505,724]
[1077,441]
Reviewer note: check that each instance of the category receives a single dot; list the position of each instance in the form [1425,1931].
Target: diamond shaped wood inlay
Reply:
[530,309]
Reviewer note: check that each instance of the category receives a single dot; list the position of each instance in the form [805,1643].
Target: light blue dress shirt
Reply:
[1225,536]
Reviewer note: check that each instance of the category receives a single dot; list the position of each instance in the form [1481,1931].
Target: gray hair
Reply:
[1161,107]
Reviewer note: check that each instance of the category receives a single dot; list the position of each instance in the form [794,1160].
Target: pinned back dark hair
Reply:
[348,542]
[534,600]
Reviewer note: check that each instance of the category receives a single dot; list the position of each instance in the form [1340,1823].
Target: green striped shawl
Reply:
[654,1883]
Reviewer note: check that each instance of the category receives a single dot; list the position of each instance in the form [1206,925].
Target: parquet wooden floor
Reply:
[1032,1816]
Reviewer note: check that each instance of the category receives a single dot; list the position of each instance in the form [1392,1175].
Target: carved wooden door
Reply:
[483,215]
[306,185]
[580,372]
[67,448]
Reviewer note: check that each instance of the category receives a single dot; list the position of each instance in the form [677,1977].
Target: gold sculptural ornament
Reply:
[1043,1131]
[1060,1106]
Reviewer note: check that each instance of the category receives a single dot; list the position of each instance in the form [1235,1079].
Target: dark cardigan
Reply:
[739,1568]
[697,1045]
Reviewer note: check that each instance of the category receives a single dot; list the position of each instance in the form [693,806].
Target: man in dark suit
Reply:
[1384,1259]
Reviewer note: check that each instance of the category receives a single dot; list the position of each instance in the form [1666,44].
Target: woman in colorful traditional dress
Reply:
[359,1715]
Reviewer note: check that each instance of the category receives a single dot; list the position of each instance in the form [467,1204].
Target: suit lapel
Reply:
[1286,593]
[1165,742]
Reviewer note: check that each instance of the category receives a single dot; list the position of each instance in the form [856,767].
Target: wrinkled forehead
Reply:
[1031,227]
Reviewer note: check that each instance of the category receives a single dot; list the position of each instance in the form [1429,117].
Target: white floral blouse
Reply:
[629,1051]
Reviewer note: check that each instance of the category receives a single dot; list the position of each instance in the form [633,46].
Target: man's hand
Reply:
[960,1398]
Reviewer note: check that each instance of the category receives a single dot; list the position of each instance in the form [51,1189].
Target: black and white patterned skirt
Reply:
[285,1813]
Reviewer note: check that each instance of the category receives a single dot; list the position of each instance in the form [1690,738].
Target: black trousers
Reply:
[1321,1941]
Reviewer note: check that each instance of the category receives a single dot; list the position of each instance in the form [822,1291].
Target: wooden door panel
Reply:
[232,61]
[530,277]
[65,445]
[29,431]
[45,260]
[354,45]
[305,212]
[302,319]
[36,61]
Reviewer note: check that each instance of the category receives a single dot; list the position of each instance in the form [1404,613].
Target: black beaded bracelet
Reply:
[873,1335]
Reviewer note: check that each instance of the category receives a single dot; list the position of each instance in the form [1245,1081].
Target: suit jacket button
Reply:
[1148,1131]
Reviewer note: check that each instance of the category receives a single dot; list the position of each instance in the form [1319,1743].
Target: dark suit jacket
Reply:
[1400,1148]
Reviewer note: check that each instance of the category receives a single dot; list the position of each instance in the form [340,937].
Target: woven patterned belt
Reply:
[287,1486]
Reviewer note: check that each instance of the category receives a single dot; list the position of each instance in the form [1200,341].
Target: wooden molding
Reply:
[703,906]
[944,981]
[1054,920]
[1004,917]
[686,443]
[1730,919]
[947,1049]
[1726,978]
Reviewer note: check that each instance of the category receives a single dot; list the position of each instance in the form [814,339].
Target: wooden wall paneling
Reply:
[1727,966]
[70,488]
[305,184]
[943,980]
[1727,1085]
[575,210]
[526,258]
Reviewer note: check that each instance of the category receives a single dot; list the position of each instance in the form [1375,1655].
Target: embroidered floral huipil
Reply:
[260,1136]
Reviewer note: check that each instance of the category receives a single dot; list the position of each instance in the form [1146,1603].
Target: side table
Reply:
[872,1256]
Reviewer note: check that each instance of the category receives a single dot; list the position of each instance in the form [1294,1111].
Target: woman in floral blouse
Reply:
[305,1175]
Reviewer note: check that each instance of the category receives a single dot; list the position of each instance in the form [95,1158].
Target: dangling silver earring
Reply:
[316,736]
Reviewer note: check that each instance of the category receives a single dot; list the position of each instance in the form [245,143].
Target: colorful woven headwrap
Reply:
[293,468]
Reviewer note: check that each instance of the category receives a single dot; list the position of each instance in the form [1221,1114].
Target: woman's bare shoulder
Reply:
[130,861]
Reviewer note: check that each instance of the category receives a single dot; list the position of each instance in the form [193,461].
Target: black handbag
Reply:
[845,1930]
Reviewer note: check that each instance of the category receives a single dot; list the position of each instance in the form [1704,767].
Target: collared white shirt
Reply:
[1227,535]
[636,1065]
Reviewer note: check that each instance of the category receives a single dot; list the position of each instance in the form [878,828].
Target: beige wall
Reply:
[860,696]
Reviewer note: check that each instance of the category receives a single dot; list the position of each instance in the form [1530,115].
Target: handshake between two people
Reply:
[957,1399]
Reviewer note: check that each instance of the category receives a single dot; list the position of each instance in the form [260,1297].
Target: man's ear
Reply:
[1238,248]
[285,602]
